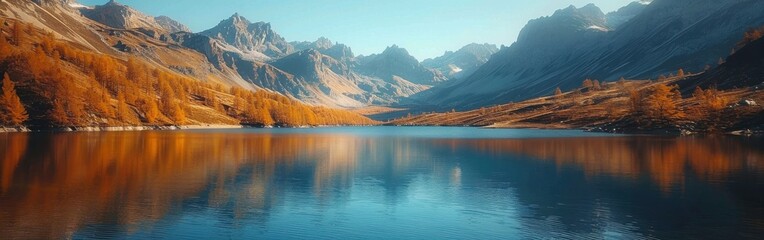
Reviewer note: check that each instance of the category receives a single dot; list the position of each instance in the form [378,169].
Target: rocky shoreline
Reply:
[117,128]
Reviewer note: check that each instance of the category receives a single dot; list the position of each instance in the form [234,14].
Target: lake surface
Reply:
[379,182]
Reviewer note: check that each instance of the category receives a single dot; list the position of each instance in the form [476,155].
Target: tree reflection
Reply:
[53,185]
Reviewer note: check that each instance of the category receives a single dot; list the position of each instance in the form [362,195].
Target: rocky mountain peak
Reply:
[247,36]
[463,62]
[171,25]
[117,15]
[323,43]
[622,15]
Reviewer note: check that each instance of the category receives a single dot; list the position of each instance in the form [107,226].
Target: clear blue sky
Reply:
[426,28]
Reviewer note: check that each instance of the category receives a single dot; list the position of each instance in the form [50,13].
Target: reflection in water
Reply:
[242,184]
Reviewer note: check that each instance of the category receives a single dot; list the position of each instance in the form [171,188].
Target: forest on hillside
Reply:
[52,83]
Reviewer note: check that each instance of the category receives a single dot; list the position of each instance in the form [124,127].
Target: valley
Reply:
[78,67]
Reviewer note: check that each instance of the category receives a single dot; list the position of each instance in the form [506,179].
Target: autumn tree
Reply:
[12,107]
[662,103]
[709,106]
[596,85]
[98,98]
[178,114]
[680,73]
[750,36]
[636,101]
[557,92]
[18,33]
[150,110]
[587,83]
[58,113]
[5,47]
[70,95]
[123,111]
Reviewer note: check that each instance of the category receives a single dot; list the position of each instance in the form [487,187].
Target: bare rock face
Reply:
[120,16]
[397,62]
[250,37]
[171,25]
[463,62]
[624,14]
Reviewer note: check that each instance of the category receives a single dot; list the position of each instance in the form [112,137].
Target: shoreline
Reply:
[152,128]
[539,126]
[599,129]
[119,128]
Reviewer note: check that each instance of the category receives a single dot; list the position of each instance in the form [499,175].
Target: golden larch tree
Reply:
[596,85]
[12,106]
[587,83]
[151,111]
[662,104]
[123,111]
[58,113]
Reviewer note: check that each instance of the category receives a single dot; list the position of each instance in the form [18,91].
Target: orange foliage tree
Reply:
[662,103]
[12,107]
[80,86]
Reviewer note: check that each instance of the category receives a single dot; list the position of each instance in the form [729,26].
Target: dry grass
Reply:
[574,109]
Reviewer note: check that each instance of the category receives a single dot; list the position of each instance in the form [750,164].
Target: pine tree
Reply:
[12,106]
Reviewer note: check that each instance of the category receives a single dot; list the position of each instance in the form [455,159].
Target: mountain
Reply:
[253,38]
[321,44]
[574,44]
[622,15]
[171,25]
[337,51]
[464,61]
[244,54]
[72,69]
[395,63]
[744,68]
[121,16]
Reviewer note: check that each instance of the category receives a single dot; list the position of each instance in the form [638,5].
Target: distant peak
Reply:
[237,17]
[590,5]
[589,11]
[396,50]
[113,3]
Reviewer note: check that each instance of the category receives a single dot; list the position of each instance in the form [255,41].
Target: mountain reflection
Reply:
[54,185]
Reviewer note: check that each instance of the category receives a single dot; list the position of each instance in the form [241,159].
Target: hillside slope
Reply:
[71,71]
[574,44]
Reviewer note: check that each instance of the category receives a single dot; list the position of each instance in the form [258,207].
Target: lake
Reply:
[379,183]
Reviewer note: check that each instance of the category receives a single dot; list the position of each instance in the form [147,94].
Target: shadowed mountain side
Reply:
[569,46]
[744,68]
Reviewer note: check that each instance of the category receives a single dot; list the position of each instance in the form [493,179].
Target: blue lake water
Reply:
[379,183]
